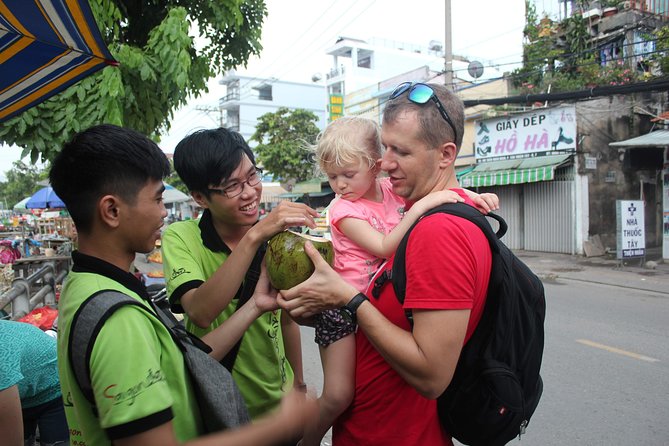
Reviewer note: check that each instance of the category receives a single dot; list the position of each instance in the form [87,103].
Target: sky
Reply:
[297,33]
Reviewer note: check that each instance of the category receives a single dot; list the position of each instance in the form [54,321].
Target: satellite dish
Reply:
[316,77]
[475,69]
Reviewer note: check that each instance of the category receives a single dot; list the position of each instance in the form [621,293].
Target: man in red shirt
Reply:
[400,371]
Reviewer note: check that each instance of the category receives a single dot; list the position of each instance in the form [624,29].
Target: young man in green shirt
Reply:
[110,178]
[205,261]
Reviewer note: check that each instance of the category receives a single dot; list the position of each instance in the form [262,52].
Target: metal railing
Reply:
[36,290]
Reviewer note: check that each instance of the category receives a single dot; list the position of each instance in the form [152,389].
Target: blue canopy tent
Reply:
[45,198]
[44,48]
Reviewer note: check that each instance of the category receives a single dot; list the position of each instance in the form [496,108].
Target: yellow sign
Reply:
[336,106]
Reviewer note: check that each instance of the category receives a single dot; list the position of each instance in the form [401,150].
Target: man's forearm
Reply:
[424,356]
[216,293]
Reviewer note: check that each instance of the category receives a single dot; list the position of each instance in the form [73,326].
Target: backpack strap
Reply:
[221,406]
[461,210]
[86,325]
[92,315]
[244,294]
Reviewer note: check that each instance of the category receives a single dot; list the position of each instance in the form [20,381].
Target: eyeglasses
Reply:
[234,189]
[421,93]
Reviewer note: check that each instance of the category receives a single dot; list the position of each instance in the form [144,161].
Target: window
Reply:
[265,92]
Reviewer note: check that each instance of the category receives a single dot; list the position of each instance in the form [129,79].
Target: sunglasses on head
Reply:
[420,93]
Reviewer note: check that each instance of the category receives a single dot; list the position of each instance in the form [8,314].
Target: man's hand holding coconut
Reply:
[323,290]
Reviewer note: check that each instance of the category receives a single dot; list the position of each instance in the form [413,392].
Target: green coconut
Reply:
[287,263]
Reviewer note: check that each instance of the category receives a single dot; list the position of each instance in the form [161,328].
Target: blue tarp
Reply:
[45,198]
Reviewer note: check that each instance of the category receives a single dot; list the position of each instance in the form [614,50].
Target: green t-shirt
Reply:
[137,372]
[192,252]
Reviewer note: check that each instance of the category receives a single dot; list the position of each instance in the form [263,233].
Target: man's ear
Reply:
[109,210]
[447,154]
[200,199]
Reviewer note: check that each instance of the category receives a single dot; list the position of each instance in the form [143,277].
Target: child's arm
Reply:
[338,361]
[383,246]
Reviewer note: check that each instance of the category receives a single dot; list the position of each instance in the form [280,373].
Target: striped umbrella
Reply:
[45,46]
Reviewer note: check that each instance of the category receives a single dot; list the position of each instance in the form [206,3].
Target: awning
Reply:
[658,138]
[463,170]
[518,171]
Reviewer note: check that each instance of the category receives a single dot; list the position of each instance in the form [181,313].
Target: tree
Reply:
[161,66]
[175,180]
[539,51]
[283,143]
[21,182]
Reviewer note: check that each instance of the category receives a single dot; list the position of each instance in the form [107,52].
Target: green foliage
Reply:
[174,180]
[283,138]
[560,57]
[166,49]
[662,47]
[21,182]
[577,40]
[539,49]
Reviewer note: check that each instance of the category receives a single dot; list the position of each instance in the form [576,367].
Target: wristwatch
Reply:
[348,311]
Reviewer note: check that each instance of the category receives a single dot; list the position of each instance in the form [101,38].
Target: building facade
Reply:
[247,98]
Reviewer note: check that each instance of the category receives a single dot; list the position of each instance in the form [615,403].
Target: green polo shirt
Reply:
[192,252]
[137,372]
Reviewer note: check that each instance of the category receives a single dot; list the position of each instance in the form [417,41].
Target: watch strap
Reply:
[354,303]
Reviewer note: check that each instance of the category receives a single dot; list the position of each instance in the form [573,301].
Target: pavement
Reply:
[649,274]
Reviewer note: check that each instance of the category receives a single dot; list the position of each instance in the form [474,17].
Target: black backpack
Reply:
[496,385]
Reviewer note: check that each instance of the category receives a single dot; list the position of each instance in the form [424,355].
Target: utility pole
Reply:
[448,47]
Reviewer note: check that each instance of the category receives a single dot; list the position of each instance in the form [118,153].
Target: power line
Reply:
[609,90]
[314,41]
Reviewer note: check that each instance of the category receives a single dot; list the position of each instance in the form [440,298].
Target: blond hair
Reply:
[349,140]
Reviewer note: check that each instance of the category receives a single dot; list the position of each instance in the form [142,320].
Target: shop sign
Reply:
[336,106]
[542,132]
[631,236]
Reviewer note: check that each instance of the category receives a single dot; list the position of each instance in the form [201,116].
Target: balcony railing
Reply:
[233,96]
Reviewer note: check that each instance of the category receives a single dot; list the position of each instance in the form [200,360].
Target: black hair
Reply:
[104,159]
[208,157]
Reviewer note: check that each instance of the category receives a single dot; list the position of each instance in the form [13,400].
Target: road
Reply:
[605,369]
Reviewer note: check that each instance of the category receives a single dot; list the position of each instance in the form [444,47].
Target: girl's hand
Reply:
[487,202]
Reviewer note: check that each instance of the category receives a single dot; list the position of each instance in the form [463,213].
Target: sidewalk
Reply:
[651,276]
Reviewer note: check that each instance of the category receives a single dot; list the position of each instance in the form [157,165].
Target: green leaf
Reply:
[161,65]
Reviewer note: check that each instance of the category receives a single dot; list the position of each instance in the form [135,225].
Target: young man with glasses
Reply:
[401,369]
[206,262]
